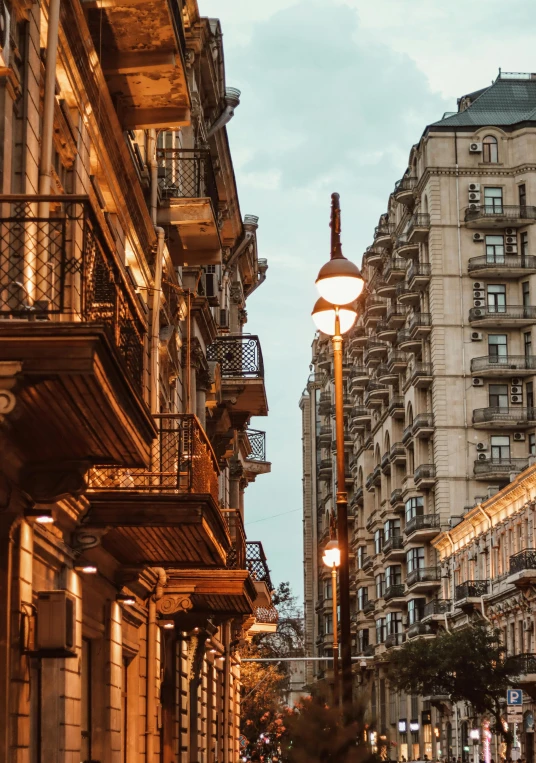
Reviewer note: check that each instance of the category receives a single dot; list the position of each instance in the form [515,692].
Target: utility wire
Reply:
[273,516]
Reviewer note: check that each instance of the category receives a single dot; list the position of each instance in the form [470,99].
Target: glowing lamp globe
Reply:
[332,554]
[324,316]
[339,281]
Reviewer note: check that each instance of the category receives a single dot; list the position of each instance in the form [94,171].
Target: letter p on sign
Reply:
[514,697]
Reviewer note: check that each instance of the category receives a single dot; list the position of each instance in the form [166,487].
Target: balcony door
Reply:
[498,348]
[498,395]
[495,249]
[497,298]
[500,448]
[493,201]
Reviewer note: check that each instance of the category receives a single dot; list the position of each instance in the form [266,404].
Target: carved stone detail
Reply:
[237,293]
[48,482]
[7,403]
[171,604]
[84,539]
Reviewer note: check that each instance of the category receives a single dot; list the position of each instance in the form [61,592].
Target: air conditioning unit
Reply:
[511,248]
[475,148]
[516,399]
[477,336]
[478,381]
[511,239]
[479,313]
[510,232]
[224,318]
[479,294]
[516,381]
[478,285]
[481,446]
[474,186]
[482,457]
[5,21]
[479,302]
[56,623]
[519,437]
[516,389]
[474,207]
[474,196]
[478,237]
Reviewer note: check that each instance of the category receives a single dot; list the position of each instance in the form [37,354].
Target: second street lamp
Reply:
[332,559]
[339,283]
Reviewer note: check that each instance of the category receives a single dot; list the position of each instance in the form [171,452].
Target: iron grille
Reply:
[505,261]
[236,556]
[257,441]
[504,211]
[182,461]
[525,663]
[238,356]
[256,562]
[187,174]
[471,589]
[437,607]
[524,560]
[62,264]
[268,615]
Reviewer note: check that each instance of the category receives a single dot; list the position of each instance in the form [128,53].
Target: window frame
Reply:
[490,149]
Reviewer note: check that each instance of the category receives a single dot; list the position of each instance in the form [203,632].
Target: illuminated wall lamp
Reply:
[168,625]
[88,569]
[41,516]
[125,598]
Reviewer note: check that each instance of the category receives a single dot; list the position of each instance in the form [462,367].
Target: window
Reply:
[393,575]
[361,553]
[497,347]
[415,559]
[380,586]
[532,444]
[362,597]
[328,624]
[378,541]
[498,395]
[490,151]
[525,290]
[393,622]
[380,630]
[495,249]
[328,590]
[500,448]
[493,200]
[497,298]
[414,507]
[415,610]
[363,639]
[522,189]
[529,391]
[391,529]
[524,244]
[527,343]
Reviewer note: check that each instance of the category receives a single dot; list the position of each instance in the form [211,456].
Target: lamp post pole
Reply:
[342,495]
[335,637]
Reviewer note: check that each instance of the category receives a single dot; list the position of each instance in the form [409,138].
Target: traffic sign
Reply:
[514,697]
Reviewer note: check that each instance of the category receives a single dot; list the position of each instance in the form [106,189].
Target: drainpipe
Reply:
[232,99]
[151,666]
[239,249]
[226,690]
[485,513]
[50,97]
[155,320]
[262,277]
[153,166]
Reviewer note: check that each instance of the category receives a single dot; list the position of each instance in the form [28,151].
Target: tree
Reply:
[468,664]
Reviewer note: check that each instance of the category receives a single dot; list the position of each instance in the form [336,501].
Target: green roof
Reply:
[506,102]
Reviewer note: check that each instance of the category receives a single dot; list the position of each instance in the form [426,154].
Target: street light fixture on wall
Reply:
[340,284]
[332,559]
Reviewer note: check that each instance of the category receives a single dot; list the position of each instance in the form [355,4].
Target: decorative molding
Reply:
[83,539]
[170,604]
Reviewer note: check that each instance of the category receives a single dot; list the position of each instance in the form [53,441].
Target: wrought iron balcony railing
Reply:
[502,211]
[256,562]
[506,262]
[187,174]
[504,363]
[425,472]
[523,560]
[418,220]
[423,575]
[471,589]
[238,356]
[422,421]
[504,312]
[62,265]
[422,522]
[405,184]
[419,320]
[419,629]
[236,556]
[525,663]
[395,639]
[500,466]
[257,441]
[369,606]
[266,615]
[182,461]
[394,591]
[393,543]
[437,607]
[514,414]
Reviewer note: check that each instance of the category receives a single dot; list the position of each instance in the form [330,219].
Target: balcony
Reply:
[423,579]
[508,418]
[395,640]
[395,593]
[419,630]
[423,426]
[420,375]
[396,315]
[375,351]
[419,227]
[404,189]
[141,48]
[360,417]
[376,393]
[383,235]
[508,315]
[397,454]
[325,470]
[385,331]
[376,305]
[168,515]
[407,343]
[471,590]
[504,365]
[397,361]
[374,518]
[422,527]
[420,325]
[386,376]
[373,480]
[396,407]
[407,434]
[394,270]
[406,249]
[419,275]
[499,216]
[255,462]
[257,566]
[357,339]
[393,549]
[384,289]
[407,295]
[373,257]
[498,468]
[396,500]
[324,435]
[385,464]
[190,206]
[425,476]
[507,266]
[242,373]
[72,334]
[266,620]
[368,562]
[437,609]
[526,667]
[359,378]
[324,403]
[523,568]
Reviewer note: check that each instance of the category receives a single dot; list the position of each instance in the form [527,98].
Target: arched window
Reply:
[409,415]
[490,149]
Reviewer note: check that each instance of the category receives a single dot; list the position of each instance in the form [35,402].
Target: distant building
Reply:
[439,390]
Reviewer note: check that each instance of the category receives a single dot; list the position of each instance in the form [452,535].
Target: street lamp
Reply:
[332,559]
[339,283]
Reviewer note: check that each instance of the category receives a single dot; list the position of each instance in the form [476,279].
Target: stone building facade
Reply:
[439,384]
[127,385]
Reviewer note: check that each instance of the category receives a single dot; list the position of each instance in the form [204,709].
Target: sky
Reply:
[334,94]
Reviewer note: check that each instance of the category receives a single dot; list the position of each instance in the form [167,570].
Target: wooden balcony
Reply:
[141,47]
[169,514]
[242,373]
[72,333]
[189,210]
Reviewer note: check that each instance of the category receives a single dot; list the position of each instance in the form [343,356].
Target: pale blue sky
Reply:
[334,94]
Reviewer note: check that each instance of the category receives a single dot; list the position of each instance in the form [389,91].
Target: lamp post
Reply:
[332,559]
[339,283]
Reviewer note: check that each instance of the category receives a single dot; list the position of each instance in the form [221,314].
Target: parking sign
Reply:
[514,697]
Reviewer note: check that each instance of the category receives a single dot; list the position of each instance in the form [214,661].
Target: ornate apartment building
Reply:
[439,388]
[127,385]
